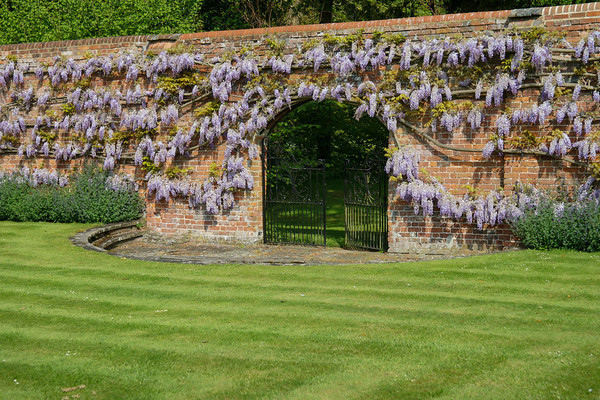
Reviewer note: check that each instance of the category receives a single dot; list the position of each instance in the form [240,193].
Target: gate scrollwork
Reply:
[294,197]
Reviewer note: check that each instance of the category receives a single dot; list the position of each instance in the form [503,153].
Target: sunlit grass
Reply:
[334,201]
[520,325]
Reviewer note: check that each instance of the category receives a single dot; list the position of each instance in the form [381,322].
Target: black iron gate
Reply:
[365,204]
[294,198]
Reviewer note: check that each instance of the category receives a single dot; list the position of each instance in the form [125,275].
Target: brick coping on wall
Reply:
[518,13]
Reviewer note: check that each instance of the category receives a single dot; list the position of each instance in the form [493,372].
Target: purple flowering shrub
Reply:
[548,222]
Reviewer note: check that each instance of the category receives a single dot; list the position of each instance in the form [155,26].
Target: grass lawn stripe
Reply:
[511,325]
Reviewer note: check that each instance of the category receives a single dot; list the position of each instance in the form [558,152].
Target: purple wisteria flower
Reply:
[576,92]
[587,126]
[478,89]
[577,126]
[503,125]
[544,111]
[404,164]
[488,149]
[475,118]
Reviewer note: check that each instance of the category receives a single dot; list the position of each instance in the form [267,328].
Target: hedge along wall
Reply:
[172,120]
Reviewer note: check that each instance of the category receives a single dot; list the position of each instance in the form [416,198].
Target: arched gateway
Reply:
[475,105]
[324,178]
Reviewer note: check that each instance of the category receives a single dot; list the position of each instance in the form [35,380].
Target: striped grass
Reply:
[519,325]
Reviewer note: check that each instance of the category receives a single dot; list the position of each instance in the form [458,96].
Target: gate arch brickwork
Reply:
[407,231]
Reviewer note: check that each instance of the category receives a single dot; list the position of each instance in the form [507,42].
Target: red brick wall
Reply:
[455,169]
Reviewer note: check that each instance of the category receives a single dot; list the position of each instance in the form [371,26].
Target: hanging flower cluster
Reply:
[443,84]
[494,208]
[35,177]
[121,183]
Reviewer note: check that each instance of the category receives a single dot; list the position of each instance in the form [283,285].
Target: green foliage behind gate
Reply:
[328,131]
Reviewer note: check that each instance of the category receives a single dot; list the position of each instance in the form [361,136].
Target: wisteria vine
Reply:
[167,107]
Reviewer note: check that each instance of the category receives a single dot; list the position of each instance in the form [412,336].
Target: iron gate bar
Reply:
[365,205]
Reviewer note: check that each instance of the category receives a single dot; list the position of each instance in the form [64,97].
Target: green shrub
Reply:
[549,226]
[94,200]
[93,195]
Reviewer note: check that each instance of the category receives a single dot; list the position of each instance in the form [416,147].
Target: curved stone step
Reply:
[105,237]
[115,238]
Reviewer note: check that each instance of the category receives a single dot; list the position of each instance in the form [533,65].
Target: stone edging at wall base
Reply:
[111,239]
[277,255]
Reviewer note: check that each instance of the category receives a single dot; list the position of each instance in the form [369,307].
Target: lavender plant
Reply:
[548,222]
[89,195]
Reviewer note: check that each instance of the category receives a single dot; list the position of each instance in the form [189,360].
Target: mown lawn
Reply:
[521,325]
[334,201]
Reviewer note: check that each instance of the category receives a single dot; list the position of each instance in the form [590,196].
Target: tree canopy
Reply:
[48,20]
[36,20]
[328,131]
